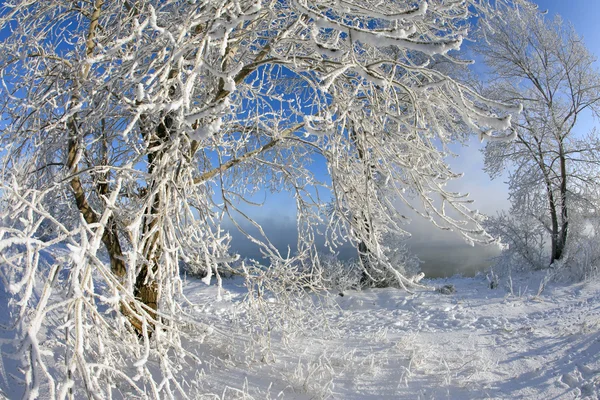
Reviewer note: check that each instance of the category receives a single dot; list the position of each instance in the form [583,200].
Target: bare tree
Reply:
[544,65]
[136,128]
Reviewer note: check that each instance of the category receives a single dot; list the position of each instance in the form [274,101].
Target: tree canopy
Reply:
[134,129]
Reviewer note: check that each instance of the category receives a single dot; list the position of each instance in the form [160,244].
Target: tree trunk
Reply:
[110,236]
[364,253]
[146,287]
[146,291]
[555,233]
[564,215]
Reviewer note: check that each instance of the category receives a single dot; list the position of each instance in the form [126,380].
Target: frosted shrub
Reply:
[283,297]
[336,274]
[527,248]
[524,241]
[582,259]
[401,262]
[313,378]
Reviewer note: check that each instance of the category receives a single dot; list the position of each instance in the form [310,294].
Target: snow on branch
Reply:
[136,134]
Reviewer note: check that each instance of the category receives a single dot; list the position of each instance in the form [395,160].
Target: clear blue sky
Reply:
[583,14]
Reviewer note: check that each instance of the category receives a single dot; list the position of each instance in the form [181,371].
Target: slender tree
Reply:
[544,65]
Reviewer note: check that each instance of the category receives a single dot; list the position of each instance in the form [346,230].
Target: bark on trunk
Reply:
[146,287]
[110,237]
[554,220]
[564,215]
[365,260]
[364,253]
[554,234]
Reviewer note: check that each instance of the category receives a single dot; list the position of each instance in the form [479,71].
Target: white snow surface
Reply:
[389,344]
[477,343]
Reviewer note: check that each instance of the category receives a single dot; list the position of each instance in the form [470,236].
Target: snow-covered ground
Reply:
[475,343]
[388,344]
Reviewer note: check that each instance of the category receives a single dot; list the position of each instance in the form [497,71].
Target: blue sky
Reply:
[583,14]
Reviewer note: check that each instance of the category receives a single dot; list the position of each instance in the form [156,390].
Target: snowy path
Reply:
[388,344]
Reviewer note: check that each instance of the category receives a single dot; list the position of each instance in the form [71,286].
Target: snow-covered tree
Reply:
[544,65]
[134,128]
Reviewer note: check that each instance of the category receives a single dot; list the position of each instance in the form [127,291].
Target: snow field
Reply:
[390,344]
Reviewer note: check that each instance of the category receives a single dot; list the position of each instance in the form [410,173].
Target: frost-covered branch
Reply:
[133,131]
